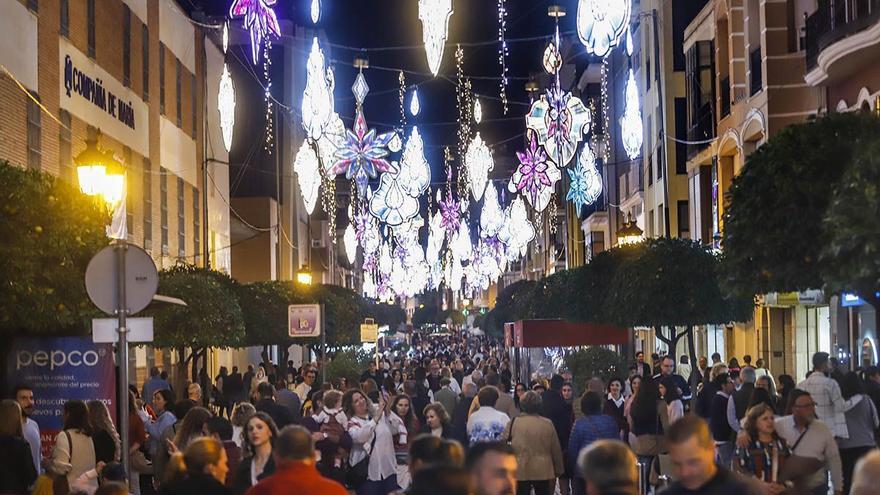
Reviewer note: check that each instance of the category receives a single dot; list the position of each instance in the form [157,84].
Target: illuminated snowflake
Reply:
[259,21]
[586,183]
[600,23]
[560,120]
[362,154]
[535,176]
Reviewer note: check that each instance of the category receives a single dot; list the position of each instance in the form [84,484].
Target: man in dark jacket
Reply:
[460,414]
[722,433]
[247,381]
[280,414]
[234,387]
[558,411]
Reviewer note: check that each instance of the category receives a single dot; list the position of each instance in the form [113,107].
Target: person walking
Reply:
[766,453]
[281,415]
[492,467]
[24,395]
[608,467]
[592,426]
[615,406]
[294,455]
[486,423]
[739,399]
[460,414]
[538,452]
[220,429]
[104,435]
[74,451]
[830,407]
[669,394]
[446,395]
[437,421]
[17,470]
[201,469]
[373,464]
[861,423]
[722,433]
[154,384]
[258,463]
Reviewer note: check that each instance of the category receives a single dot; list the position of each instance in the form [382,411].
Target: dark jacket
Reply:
[105,447]
[446,431]
[243,474]
[200,484]
[299,478]
[289,400]
[280,414]
[17,470]
[560,413]
[459,420]
[741,399]
[233,386]
[718,424]
[705,398]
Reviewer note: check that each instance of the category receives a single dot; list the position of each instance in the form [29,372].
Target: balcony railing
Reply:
[835,20]
[756,81]
[725,97]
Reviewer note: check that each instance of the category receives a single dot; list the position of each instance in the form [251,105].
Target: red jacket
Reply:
[303,476]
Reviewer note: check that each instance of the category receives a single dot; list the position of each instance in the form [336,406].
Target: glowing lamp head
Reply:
[304,275]
[99,173]
[630,233]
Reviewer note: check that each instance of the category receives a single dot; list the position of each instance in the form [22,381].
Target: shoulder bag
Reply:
[60,485]
[357,475]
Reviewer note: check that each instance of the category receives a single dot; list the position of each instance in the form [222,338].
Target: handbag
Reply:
[140,464]
[357,475]
[60,485]
[510,432]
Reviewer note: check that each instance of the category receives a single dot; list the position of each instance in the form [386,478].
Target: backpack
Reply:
[333,429]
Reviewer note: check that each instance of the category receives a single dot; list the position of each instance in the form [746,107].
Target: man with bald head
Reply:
[294,454]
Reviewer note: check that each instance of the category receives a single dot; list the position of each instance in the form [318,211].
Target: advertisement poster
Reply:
[58,370]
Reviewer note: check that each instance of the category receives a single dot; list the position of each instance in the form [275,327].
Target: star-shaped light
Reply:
[449,213]
[362,154]
[535,176]
[259,20]
[586,183]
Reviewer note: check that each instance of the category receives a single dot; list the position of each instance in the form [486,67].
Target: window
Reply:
[650,169]
[129,207]
[181,219]
[148,204]
[91,24]
[178,90]
[33,5]
[126,46]
[684,229]
[65,18]
[660,161]
[197,225]
[647,74]
[163,207]
[193,102]
[65,154]
[681,135]
[145,60]
[34,134]
[162,78]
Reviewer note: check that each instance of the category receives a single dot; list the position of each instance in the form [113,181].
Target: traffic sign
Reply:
[104,330]
[141,279]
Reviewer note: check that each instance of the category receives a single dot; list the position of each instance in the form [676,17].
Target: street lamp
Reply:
[99,173]
[630,233]
[304,275]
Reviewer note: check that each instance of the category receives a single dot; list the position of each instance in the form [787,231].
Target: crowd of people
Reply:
[447,416]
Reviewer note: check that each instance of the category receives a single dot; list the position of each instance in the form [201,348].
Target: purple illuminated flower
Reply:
[259,20]
[362,154]
[450,214]
[535,176]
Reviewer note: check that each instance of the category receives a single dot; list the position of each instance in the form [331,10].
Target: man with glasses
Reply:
[719,425]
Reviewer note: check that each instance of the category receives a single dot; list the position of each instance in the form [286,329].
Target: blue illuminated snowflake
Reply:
[586,183]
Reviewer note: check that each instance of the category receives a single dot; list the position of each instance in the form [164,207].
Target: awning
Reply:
[561,333]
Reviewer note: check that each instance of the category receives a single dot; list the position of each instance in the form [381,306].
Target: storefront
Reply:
[855,325]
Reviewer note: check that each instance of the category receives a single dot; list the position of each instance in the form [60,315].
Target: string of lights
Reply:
[502,52]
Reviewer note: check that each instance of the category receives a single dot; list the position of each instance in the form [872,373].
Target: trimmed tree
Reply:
[513,303]
[50,231]
[851,256]
[773,233]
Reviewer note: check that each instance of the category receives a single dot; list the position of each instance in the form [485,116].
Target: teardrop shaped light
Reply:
[414,105]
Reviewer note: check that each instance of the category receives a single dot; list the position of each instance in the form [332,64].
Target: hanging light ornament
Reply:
[315,11]
[259,21]
[226,97]
[502,52]
[414,106]
[491,216]
[517,231]
[385,261]
[552,60]
[415,173]
[435,15]
[461,242]
[586,183]
[600,23]
[317,101]
[308,175]
[436,236]
[449,213]
[535,176]
[349,240]
[390,203]
[478,159]
[631,120]
[559,121]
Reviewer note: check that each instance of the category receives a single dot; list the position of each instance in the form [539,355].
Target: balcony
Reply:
[756,82]
[839,30]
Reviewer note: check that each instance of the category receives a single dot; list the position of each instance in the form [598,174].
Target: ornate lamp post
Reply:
[630,233]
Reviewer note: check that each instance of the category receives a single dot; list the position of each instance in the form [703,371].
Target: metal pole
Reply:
[121,247]
[323,347]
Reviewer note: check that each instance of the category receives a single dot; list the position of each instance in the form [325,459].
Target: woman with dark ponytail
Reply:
[201,469]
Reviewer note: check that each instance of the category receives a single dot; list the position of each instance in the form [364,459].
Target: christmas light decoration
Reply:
[362,154]
[600,23]
[435,15]
[552,60]
[559,121]
[535,176]
[259,21]
[349,240]
[308,175]
[461,242]
[269,117]
[491,216]
[331,139]
[385,261]
[414,105]
[517,231]
[395,144]
[629,43]
[226,106]
[631,132]
[415,173]
[479,163]
[502,52]
[478,111]
[436,236]
[390,203]
[586,183]
[360,88]
[315,11]
[450,213]
[401,93]
[317,101]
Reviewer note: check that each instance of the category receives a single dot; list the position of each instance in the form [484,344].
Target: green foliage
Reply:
[49,232]
[595,361]
[428,314]
[386,314]
[772,229]
[512,303]
[212,317]
[851,256]
[264,307]
[670,282]
[348,364]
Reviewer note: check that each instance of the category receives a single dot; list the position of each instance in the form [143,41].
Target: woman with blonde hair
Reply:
[437,421]
[767,451]
[17,470]
[104,434]
[200,469]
